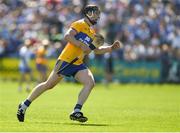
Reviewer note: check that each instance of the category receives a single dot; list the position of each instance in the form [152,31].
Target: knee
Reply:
[47,85]
[90,84]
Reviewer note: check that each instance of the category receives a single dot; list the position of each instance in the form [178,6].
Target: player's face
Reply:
[95,17]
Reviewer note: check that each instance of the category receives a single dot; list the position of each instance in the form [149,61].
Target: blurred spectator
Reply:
[3,45]
[25,54]
[165,63]
[41,60]
[176,40]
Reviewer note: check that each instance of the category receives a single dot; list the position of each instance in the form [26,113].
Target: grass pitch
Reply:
[129,107]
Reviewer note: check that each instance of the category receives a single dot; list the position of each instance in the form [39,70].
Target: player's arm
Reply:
[105,49]
[69,37]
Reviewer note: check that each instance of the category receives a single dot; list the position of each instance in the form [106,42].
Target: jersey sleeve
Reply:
[76,26]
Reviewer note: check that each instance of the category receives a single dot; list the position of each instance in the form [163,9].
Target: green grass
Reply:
[129,107]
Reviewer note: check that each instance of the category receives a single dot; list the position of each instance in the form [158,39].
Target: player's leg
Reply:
[23,71]
[86,78]
[40,68]
[43,73]
[21,80]
[44,86]
[37,91]
[28,80]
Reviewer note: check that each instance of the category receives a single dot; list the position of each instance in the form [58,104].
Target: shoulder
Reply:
[23,49]
[79,23]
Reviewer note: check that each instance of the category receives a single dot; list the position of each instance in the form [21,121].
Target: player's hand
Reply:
[85,48]
[116,45]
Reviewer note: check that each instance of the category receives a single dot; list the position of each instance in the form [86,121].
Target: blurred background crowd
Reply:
[149,29]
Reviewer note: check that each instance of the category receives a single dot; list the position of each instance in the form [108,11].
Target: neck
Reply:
[87,21]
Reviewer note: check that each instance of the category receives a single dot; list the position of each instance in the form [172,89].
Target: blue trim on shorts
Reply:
[72,69]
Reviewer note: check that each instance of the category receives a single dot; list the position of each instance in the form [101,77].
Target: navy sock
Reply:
[27,102]
[77,108]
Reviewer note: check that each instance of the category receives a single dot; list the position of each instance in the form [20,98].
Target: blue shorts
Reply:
[24,69]
[71,70]
[41,68]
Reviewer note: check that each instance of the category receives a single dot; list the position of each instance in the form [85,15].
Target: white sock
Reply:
[23,106]
[77,110]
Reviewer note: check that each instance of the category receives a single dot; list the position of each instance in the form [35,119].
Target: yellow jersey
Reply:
[40,56]
[84,34]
